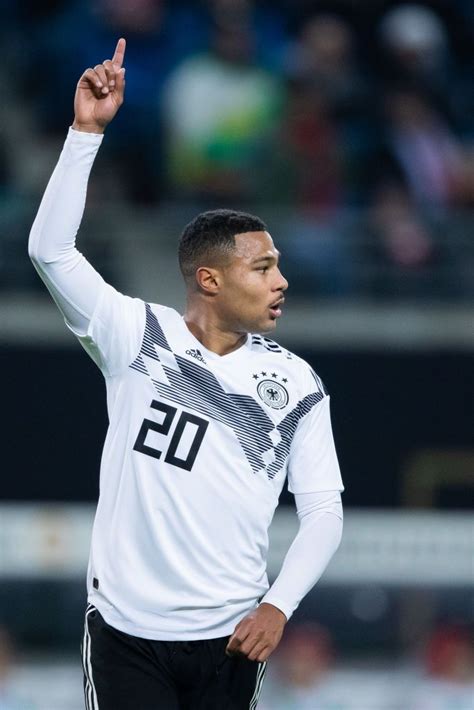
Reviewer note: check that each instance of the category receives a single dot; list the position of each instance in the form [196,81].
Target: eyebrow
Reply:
[259,259]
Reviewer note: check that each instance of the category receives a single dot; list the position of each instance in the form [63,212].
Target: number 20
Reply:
[163,428]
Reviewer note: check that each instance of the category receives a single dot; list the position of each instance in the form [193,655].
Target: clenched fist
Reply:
[99,93]
[258,634]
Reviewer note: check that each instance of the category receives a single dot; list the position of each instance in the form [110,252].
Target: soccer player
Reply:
[207,417]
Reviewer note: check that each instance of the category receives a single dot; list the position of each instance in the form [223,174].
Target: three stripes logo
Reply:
[196,354]
[90,692]
[262,667]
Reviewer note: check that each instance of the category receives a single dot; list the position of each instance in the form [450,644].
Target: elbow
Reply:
[33,251]
[37,251]
[334,528]
[338,534]
[33,256]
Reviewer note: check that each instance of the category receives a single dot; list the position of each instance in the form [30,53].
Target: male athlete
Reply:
[206,419]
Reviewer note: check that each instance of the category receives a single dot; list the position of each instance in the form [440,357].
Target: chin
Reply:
[269,327]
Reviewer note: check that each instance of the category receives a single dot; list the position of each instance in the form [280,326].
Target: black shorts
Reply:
[123,672]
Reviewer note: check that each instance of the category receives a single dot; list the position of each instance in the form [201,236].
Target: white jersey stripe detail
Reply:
[87,684]
[91,695]
[258,685]
[84,665]
[95,702]
[84,668]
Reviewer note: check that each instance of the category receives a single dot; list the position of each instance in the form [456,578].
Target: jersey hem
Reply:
[139,632]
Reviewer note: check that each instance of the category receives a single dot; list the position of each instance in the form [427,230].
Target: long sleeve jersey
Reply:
[197,450]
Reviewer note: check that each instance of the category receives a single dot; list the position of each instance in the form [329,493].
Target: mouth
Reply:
[275,308]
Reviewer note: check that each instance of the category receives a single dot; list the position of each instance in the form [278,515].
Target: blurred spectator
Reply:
[421,170]
[319,164]
[418,51]
[220,111]
[309,152]
[307,173]
[324,61]
[301,669]
[421,149]
[408,257]
[324,57]
[319,258]
[268,24]
[405,240]
[448,661]
[9,699]
[416,45]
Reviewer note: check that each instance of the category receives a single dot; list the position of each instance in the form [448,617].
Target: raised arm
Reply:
[72,281]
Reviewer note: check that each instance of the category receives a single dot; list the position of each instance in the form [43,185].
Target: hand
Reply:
[258,634]
[99,93]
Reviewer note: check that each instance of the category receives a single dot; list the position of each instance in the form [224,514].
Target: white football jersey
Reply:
[195,458]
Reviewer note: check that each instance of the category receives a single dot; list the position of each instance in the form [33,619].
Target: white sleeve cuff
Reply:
[280,604]
[83,137]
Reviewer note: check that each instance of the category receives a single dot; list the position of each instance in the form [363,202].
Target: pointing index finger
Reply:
[117,59]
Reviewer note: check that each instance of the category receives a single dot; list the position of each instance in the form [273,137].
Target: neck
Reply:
[211,332]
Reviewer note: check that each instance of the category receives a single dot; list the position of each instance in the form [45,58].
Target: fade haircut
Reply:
[210,238]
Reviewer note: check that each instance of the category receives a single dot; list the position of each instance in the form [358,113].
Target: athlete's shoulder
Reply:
[301,370]
[311,381]
[161,323]
[162,310]
[166,316]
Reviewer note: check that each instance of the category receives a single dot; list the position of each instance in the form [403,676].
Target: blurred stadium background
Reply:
[349,127]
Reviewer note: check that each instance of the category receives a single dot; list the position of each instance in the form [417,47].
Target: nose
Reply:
[282,282]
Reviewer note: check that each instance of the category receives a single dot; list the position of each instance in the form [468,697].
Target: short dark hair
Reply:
[211,236]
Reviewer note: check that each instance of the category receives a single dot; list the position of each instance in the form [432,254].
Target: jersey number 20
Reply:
[184,421]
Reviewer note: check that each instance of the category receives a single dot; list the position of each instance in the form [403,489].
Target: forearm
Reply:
[72,281]
[316,542]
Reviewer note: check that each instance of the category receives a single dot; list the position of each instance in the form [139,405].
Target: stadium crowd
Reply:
[326,109]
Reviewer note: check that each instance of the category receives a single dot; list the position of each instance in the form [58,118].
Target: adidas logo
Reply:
[197,354]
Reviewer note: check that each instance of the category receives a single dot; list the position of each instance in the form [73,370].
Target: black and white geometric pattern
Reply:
[266,343]
[265,445]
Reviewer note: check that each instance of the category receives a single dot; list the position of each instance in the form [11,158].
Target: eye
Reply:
[263,269]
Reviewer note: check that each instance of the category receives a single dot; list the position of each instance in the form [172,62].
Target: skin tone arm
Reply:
[99,93]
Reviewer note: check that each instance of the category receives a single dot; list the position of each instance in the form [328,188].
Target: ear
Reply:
[208,280]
